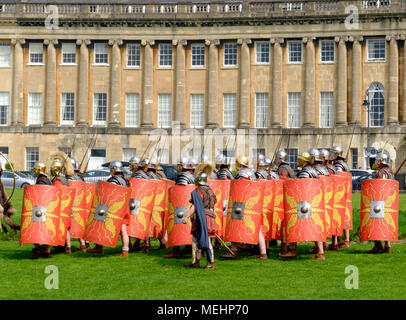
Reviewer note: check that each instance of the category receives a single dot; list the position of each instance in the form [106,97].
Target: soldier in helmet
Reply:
[117,177]
[262,172]
[223,172]
[77,176]
[42,179]
[317,162]
[56,173]
[203,219]
[336,155]
[186,168]
[151,172]
[384,171]
[243,171]
[133,164]
[325,156]
[143,167]
[284,170]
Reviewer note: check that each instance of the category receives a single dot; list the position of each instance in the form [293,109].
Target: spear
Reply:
[224,244]
[349,146]
[84,155]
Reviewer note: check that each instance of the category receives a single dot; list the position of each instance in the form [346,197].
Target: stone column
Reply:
[393,105]
[309,112]
[115,84]
[356,82]
[212,98]
[180,105]
[147,83]
[403,37]
[17,99]
[244,103]
[276,113]
[82,118]
[50,92]
[341,104]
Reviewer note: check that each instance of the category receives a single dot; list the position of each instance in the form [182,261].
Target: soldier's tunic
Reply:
[140,174]
[224,174]
[209,201]
[284,170]
[74,177]
[384,172]
[308,172]
[119,180]
[60,181]
[246,173]
[321,170]
[262,174]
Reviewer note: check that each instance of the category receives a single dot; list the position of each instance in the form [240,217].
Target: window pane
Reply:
[31,157]
[68,107]
[36,52]
[327,51]
[198,55]
[230,54]
[165,55]
[196,110]
[354,155]
[128,153]
[100,108]
[376,49]
[326,109]
[4,103]
[133,55]
[4,54]
[294,101]
[100,53]
[262,52]
[292,158]
[68,53]
[34,108]
[132,109]
[295,51]
[261,110]
[164,110]
[229,110]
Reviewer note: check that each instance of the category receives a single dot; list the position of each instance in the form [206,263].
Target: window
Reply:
[164,110]
[99,108]
[4,55]
[376,49]
[326,109]
[354,156]
[377,104]
[295,51]
[198,55]
[230,54]
[34,108]
[294,101]
[292,158]
[229,110]
[4,103]
[36,52]
[165,55]
[327,51]
[128,153]
[132,110]
[68,53]
[133,55]
[229,157]
[31,158]
[100,53]
[68,108]
[196,110]
[261,110]
[3,161]
[262,52]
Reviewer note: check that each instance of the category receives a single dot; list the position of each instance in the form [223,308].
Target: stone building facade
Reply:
[290,73]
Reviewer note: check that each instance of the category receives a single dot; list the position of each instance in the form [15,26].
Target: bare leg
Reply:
[125,238]
[262,247]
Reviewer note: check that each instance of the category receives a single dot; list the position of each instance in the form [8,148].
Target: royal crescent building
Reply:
[99,77]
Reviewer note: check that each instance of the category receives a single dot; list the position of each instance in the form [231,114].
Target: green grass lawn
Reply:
[151,276]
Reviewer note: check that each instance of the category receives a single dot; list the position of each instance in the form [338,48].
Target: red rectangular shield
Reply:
[67,198]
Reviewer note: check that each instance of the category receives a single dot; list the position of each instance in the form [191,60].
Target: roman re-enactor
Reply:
[202,212]
[384,171]
[6,208]
[40,172]
[117,177]
[284,169]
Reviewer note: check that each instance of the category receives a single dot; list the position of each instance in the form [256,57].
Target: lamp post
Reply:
[367,105]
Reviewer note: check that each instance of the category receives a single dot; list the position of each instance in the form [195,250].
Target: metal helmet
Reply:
[262,164]
[324,154]
[133,163]
[39,168]
[154,163]
[220,159]
[315,154]
[116,167]
[280,157]
[145,163]
[260,157]
[180,164]
[335,151]
[201,179]
[242,161]
[382,158]
[268,161]
[74,164]
[56,167]
[303,158]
